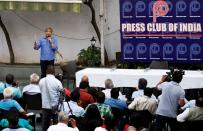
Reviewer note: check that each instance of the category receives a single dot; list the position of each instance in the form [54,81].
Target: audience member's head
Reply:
[92,119]
[148,92]
[13,118]
[177,76]
[75,95]
[59,77]
[108,121]
[34,78]
[142,84]
[100,97]
[63,118]
[199,102]
[8,92]
[85,79]
[109,84]
[136,120]
[93,112]
[50,70]
[115,93]
[93,92]
[9,79]
[84,85]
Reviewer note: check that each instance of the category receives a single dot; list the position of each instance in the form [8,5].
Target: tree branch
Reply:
[94,24]
[8,41]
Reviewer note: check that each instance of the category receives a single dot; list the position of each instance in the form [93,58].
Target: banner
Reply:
[168,30]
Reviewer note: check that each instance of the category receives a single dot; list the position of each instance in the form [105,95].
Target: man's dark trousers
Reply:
[44,64]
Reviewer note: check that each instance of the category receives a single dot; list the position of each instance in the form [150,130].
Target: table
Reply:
[130,77]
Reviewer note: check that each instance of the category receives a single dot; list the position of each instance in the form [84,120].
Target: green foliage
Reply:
[90,56]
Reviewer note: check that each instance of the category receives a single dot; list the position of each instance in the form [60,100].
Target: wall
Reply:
[75,30]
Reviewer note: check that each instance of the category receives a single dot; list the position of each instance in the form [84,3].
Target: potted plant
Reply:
[90,56]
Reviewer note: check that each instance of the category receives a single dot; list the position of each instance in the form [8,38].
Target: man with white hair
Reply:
[62,124]
[108,86]
[33,87]
[7,103]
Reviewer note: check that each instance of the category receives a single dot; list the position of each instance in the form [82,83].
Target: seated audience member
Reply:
[85,97]
[142,84]
[13,120]
[191,103]
[85,79]
[71,107]
[7,103]
[108,86]
[136,122]
[194,113]
[11,83]
[92,119]
[188,104]
[33,87]
[107,124]
[105,110]
[114,101]
[93,92]
[62,125]
[145,102]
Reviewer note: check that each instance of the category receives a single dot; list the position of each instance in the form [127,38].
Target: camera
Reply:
[179,72]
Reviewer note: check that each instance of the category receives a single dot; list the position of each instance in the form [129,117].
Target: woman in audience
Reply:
[194,113]
[33,87]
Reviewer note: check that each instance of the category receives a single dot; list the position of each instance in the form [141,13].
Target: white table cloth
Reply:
[130,77]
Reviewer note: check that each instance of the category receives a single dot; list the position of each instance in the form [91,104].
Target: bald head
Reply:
[85,79]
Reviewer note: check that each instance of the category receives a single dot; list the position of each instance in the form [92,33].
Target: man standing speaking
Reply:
[49,46]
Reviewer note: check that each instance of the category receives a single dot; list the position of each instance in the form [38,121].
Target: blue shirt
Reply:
[16,92]
[7,104]
[2,87]
[116,103]
[47,53]
[140,93]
